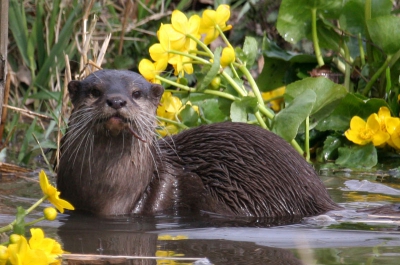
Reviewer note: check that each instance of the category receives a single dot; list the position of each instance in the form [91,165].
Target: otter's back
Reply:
[246,171]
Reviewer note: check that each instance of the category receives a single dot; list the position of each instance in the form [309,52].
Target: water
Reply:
[340,237]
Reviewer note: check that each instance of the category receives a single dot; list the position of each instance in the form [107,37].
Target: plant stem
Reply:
[193,90]
[202,45]
[361,48]
[10,226]
[367,15]
[35,221]
[242,92]
[307,141]
[221,33]
[191,56]
[252,83]
[347,67]
[260,120]
[375,76]
[315,37]
[297,147]
[179,124]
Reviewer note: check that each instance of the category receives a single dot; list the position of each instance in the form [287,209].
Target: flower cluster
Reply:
[380,129]
[178,43]
[37,250]
[178,47]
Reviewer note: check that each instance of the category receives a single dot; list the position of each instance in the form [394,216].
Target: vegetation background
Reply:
[52,42]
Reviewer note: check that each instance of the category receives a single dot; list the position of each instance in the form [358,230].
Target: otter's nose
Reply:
[116,103]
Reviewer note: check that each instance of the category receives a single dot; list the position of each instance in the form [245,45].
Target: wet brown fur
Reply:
[230,169]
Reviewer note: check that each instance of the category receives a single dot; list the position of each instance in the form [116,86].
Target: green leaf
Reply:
[288,120]
[18,27]
[272,50]
[327,36]
[241,109]
[385,32]
[327,93]
[351,105]
[238,112]
[189,116]
[330,149]
[250,49]
[37,35]
[19,226]
[210,107]
[358,156]
[272,75]
[59,48]
[46,95]
[25,143]
[211,112]
[294,19]
[213,70]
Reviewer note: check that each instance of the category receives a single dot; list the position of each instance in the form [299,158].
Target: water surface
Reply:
[341,237]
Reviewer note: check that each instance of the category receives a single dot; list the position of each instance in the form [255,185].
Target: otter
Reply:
[112,162]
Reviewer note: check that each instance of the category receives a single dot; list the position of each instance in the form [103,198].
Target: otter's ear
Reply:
[73,89]
[156,91]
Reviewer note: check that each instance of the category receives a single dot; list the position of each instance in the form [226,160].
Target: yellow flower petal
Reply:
[357,123]
[380,138]
[373,123]
[391,124]
[52,194]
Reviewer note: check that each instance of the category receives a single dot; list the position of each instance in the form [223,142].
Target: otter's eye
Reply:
[136,94]
[95,93]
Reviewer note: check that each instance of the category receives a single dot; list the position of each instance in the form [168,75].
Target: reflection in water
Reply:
[138,236]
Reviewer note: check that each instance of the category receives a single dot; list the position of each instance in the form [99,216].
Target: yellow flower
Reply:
[182,28]
[53,194]
[211,18]
[362,132]
[149,70]
[274,98]
[393,128]
[181,64]
[169,129]
[22,254]
[49,246]
[159,51]
[169,106]
[227,57]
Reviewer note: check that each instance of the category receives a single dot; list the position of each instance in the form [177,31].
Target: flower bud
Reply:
[227,57]
[50,213]
[14,238]
[215,83]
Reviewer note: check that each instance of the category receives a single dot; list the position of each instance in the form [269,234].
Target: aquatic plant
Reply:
[38,249]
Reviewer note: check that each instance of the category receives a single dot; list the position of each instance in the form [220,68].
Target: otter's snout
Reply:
[116,102]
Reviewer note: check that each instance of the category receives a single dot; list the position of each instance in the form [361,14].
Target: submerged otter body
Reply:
[111,162]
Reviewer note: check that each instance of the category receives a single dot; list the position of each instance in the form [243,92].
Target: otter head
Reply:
[115,101]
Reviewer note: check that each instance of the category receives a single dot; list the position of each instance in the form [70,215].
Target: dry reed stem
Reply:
[29,113]
[127,11]
[5,102]
[103,50]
